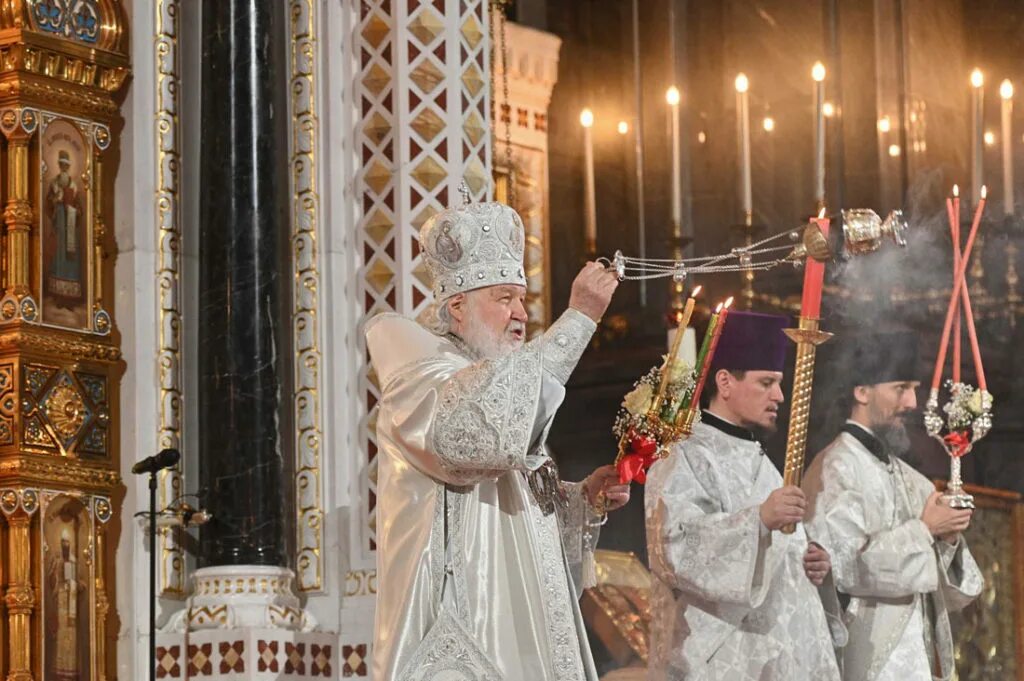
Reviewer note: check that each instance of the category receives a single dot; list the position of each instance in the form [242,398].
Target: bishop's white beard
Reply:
[485,342]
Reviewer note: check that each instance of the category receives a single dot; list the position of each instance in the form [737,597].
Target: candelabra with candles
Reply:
[648,420]
[969,409]
[664,404]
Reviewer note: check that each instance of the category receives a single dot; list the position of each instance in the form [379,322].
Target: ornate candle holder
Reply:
[653,417]
[968,419]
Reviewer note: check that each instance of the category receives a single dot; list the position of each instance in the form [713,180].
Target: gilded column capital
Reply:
[20,599]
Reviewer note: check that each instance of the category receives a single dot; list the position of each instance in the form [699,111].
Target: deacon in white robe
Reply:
[735,599]
[897,551]
[480,547]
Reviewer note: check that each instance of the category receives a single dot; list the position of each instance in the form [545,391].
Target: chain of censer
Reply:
[736,260]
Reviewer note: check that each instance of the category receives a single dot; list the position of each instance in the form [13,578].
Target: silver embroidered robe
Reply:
[475,581]
[902,582]
[731,601]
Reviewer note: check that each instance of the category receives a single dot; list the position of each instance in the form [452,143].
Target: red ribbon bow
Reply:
[641,453]
[959,443]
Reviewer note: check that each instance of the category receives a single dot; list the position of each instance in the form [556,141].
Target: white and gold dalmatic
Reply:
[731,600]
[865,508]
[480,547]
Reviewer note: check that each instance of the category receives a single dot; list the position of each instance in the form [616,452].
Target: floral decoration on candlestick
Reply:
[664,404]
[969,409]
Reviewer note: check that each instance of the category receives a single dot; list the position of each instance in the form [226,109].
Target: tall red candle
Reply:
[959,285]
[814,278]
[954,233]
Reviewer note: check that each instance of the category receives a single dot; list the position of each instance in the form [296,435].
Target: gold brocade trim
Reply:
[34,341]
[168,203]
[48,471]
[305,130]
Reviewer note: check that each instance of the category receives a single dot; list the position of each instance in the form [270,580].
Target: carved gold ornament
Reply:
[65,410]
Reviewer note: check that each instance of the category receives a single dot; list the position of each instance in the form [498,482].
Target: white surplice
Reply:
[902,582]
[731,601]
[476,579]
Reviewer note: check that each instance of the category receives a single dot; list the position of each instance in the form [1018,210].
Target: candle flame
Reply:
[894,150]
[956,191]
[990,138]
[769,124]
[977,78]
[1006,89]
[728,302]
[695,291]
[984,191]
[821,216]
[672,96]
[742,83]
[818,71]
[828,109]
[623,127]
[718,308]
[586,118]
[884,124]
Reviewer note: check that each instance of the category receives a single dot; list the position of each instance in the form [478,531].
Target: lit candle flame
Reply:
[818,71]
[623,127]
[956,191]
[728,302]
[829,109]
[742,83]
[977,78]
[672,96]
[586,118]
[894,150]
[718,308]
[884,124]
[695,291]
[769,124]
[984,191]
[821,216]
[1006,89]
[990,138]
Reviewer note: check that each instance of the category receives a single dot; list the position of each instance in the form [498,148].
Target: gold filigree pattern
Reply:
[361,583]
[37,341]
[306,297]
[46,470]
[65,410]
[168,200]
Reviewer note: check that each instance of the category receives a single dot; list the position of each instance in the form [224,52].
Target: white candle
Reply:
[589,200]
[688,348]
[743,123]
[672,97]
[1006,92]
[818,74]
[977,132]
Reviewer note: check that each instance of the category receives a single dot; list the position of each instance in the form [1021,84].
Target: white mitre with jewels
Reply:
[473,246]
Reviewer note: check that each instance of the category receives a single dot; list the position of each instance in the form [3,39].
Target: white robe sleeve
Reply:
[893,562]
[462,424]
[961,579]
[694,546]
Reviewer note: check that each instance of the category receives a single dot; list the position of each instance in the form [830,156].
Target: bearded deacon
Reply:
[898,553]
[481,548]
[734,598]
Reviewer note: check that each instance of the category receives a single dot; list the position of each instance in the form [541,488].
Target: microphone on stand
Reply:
[165,458]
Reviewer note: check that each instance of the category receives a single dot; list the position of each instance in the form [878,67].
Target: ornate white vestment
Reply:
[866,510]
[731,600]
[476,579]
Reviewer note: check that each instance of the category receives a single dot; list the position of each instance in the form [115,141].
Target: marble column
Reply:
[243,323]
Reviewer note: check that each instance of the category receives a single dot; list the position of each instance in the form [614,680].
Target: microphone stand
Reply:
[152,575]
